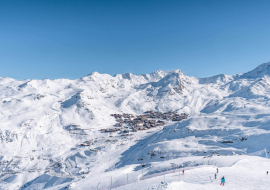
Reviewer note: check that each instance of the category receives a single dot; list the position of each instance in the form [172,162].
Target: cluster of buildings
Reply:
[148,120]
[171,115]
[110,130]
[146,124]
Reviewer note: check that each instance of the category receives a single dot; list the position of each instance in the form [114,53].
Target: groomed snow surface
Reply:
[248,173]
[242,172]
[43,123]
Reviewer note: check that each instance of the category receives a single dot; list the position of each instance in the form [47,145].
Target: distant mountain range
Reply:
[35,116]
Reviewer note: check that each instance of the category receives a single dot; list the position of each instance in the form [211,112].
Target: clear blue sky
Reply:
[70,39]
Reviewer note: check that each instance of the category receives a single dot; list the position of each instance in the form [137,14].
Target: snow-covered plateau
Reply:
[51,137]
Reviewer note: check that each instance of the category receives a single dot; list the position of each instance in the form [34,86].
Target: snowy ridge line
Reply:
[229,116]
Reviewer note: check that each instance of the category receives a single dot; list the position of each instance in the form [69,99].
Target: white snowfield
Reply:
[43,123]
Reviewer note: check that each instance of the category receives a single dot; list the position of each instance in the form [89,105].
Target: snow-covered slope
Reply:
[43,122]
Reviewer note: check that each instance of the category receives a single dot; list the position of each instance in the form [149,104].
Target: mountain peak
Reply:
[260,71]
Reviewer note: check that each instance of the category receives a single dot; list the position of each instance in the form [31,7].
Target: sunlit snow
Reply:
[43,123]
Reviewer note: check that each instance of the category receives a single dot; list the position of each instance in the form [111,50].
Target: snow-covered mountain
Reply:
[42,123]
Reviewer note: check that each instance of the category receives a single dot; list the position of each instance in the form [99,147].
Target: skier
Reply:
[217,170]
[183,172]
[215,176]
[267,173]
[222,181]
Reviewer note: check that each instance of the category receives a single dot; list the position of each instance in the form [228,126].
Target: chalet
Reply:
[74,127]
[85,144]
[176,119]
[119,124]
[126,131]
[111,130]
